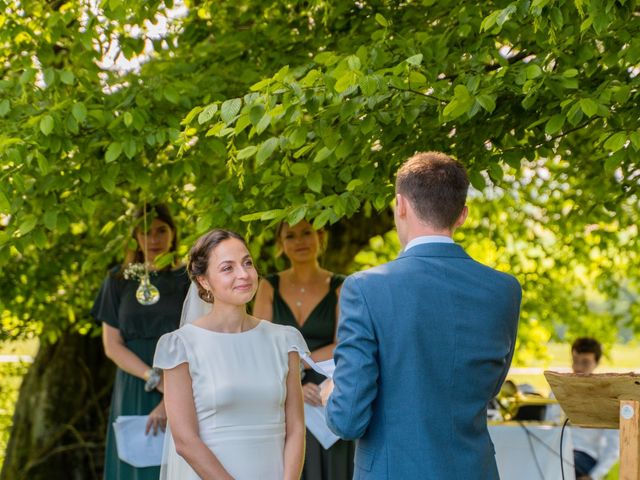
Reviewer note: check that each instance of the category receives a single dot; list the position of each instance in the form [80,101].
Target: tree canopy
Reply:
[248,112]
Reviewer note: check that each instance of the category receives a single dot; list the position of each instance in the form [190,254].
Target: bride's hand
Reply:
[157,419]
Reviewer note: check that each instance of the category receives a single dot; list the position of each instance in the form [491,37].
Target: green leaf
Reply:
[487,102]
[191,115]
[128,118]
[171,94]
[67,77]
[322,219]
[415,59]
[230,109]
[353,62]
[416,79]
[28,223]
[533,71]
[296,215]
[5,106]
[79,112]
[266,149]
[348,79]
[5,205]
[46,124]
[247,152]
[314,181]
[554,124]
[323,153]
[460,104]
[208,113]
[43,163]
[250,217]
[353,184]
[381,20]
[50,219]
[326,58]
[613,161]
[589,106]
[490,20]
[130,148]
[477,180]
[108,182]
[300,169]
[616,141]
[264,122]
[113,152]
[298,137]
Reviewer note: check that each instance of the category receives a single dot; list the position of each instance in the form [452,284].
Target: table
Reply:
[531,451]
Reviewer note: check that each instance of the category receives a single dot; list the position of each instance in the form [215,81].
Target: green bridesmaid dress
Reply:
[140,327]
[318,330]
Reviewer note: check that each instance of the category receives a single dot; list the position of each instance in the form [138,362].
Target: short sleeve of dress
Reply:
[295,341]
[170,351]
[106,305]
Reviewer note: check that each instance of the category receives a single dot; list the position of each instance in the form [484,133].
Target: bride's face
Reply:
[231,276]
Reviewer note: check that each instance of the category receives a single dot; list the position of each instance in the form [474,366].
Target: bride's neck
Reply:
[228,318]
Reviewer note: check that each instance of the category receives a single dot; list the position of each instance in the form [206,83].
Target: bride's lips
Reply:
[245,287]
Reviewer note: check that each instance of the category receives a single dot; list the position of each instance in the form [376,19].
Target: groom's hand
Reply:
[326,388]
[311,393]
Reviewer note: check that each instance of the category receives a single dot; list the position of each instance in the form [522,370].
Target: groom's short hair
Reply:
[436,185]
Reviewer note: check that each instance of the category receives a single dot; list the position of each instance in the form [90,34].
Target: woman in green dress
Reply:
[131,330]
[306,296]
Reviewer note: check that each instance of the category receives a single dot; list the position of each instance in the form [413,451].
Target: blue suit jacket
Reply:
[424,343]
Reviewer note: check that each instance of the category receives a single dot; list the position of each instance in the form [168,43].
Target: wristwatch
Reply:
[153,376]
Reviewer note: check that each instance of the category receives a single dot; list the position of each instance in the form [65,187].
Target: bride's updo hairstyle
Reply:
[200,253]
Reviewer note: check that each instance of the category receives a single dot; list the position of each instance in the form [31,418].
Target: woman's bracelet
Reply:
[153,376]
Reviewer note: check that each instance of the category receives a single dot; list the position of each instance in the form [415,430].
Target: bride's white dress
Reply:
[239,389]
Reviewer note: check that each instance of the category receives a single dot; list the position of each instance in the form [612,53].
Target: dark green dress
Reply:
[318,331]
[140,327]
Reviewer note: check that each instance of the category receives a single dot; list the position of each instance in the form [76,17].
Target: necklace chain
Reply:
[302,291]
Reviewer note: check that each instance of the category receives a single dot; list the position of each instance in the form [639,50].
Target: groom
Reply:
[424,341]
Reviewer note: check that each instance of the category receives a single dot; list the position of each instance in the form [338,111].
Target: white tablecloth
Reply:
[532,452]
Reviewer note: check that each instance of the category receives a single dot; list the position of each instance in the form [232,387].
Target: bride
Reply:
[232,382]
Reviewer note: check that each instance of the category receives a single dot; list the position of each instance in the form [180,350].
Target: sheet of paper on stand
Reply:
[316,422]
[133,445]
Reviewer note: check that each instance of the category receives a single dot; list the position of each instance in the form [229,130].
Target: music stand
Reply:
[605,400]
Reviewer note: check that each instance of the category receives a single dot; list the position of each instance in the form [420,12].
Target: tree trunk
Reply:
[60,419]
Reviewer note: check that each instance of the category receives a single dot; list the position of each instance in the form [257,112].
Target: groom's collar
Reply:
[435,249]
[428,239]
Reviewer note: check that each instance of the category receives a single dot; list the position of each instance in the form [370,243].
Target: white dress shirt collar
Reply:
[428,239]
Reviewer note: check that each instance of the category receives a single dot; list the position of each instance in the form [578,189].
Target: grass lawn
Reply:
[10,379]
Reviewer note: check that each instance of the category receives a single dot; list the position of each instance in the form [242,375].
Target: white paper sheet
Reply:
[314,417]
[316,422]
[134,447]
[325,368]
